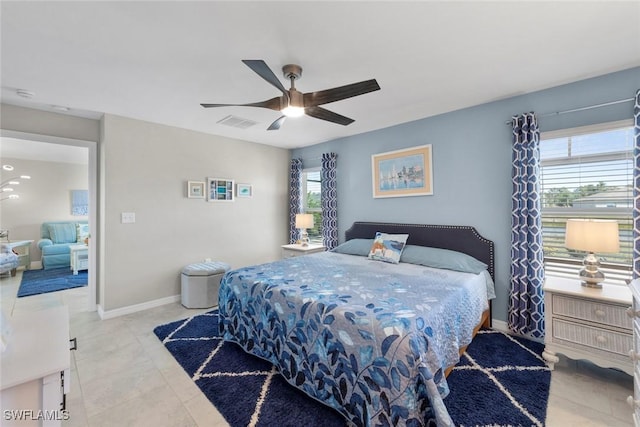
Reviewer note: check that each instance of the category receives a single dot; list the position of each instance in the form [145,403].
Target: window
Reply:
[311,200]
[587,173]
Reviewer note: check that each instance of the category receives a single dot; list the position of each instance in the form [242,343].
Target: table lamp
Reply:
[592,235]
[303,222]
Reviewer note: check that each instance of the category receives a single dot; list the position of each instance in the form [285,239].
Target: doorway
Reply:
[34,148]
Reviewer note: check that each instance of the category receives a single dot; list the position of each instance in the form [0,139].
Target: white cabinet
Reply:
[634,313]
[79,258]
[294,250]
[35,369]
[588,323]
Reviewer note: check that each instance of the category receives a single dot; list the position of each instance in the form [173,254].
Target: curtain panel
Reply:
[526,302]
[636,187]
[329,200]
[295,198]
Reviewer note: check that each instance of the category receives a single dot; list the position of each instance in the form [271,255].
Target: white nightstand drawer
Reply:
[592,311]
[294,250]
[592,337]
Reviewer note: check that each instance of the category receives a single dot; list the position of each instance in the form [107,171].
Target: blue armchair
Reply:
[56,237]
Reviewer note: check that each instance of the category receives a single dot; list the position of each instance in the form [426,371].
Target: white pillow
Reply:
[388,247]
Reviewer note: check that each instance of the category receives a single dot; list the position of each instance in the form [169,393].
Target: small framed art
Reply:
[402,173]
[220,190]
[195,189]
[244,190]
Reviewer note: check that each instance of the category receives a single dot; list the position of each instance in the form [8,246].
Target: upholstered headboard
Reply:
[461,238]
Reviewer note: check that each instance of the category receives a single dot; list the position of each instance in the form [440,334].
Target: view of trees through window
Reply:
[587,175]
[312,191]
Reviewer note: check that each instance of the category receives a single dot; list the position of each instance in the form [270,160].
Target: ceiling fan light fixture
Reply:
[292,111]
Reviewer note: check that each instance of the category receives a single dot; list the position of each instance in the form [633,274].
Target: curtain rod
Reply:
[589,107]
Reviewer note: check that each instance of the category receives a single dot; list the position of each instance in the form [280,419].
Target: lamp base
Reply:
[304,237]
[590,275]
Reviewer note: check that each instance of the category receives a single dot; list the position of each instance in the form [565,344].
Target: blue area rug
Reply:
[36,282]
[500,380]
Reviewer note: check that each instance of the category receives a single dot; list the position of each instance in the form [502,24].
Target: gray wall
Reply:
[471,162]
[46,123]
[45,197]
[145,168]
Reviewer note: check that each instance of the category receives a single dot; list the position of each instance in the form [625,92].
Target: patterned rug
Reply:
[36,282]
[500,380]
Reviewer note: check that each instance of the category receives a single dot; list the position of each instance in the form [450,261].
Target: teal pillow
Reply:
[442,258]
[63,233]
[388,247]
[359,247]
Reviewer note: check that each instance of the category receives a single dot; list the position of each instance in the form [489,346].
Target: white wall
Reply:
[45,197]
[144,168]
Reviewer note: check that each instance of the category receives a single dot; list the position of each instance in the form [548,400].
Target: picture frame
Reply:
[244,190]
[220,190]
[403,173]
[195,189]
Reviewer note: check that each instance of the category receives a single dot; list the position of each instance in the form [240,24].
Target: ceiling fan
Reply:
[293,103]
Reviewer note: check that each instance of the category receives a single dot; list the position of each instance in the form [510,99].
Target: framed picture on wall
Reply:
[195,189]
[244,190]
[80,202]
[402,173]
[220,190]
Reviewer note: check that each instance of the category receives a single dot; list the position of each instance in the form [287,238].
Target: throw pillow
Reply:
[442,258]
[359,247]
[82,232]
[62,233]
[388,247]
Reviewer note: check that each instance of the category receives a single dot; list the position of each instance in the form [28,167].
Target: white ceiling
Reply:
[157,61]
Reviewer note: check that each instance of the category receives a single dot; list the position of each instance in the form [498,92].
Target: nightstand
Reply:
[588,323]
[634,313]
[291,251]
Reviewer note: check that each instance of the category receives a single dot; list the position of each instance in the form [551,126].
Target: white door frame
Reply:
[93,196]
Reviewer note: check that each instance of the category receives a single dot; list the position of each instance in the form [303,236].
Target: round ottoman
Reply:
[200,283]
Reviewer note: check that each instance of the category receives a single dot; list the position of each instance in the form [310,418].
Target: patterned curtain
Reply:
[526,303]
[329,201]
[636,188]
[295,198]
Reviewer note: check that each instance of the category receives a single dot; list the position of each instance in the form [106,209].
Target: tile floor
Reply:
[122,375]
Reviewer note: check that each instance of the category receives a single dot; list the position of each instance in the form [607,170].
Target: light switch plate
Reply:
[128,217]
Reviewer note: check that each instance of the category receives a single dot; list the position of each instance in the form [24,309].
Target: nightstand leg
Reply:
[550,357]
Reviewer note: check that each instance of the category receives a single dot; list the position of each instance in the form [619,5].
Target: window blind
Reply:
[587,175]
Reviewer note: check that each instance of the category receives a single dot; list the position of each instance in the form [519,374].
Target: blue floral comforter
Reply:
[368,338]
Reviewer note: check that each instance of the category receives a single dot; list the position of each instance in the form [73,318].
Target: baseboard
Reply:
[500,325]
[110,314]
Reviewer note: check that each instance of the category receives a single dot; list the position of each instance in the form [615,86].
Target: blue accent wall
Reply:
[471,162]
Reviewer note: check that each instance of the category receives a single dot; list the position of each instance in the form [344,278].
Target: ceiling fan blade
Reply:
[276,125]
[330,116]
[313,99]
[262,69]
[273,104]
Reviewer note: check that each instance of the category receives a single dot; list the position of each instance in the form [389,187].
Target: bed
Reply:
[373,340]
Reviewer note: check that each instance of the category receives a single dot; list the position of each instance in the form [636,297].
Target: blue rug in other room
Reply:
[500,380]
[35,282]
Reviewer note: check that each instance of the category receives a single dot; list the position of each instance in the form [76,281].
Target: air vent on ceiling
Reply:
[237,122]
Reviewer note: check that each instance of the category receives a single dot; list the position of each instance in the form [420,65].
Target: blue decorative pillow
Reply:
[82,232]
[63,233]
[388,247]
[359,247]
[442,258]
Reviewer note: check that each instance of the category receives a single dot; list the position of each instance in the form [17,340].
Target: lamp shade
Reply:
[592,235]
[304,221]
